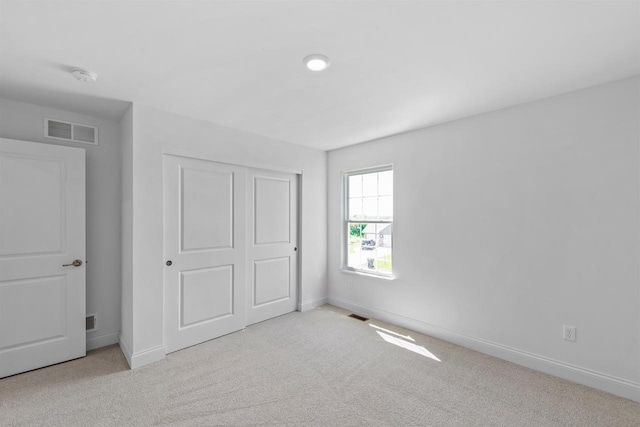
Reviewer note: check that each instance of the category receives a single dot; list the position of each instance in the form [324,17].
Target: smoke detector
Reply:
[84,75]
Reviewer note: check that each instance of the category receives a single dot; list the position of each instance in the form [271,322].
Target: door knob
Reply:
[169,263]
[75,263]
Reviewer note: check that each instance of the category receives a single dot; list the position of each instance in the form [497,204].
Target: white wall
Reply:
[509,225]
[25,122]
[155,132]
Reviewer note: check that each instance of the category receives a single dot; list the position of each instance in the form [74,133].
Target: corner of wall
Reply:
[126,137]
[311,304]
[143,358]
[124,346]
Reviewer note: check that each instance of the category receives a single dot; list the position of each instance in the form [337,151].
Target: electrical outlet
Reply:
[569,332]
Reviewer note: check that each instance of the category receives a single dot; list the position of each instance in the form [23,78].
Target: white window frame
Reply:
[345,223]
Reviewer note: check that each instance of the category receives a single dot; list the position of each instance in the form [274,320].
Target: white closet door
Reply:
[42,232]
[204,243]
[272,260]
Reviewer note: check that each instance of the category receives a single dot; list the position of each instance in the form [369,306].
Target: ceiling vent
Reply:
[57,129]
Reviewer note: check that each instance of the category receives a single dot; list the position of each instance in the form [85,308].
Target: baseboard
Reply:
[598,380]
[142,358]
[146,357]
[102,341]
[308,305]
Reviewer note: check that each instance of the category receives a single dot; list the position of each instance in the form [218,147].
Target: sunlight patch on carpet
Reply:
[418,349]
[406,337]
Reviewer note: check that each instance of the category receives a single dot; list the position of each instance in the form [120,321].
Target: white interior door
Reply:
[42,232]
[272,248]
[204,235]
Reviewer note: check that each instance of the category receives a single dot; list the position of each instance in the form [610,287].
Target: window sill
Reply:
[364,273]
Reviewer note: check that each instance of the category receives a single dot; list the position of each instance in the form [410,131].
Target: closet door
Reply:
[272,260]
[205,250]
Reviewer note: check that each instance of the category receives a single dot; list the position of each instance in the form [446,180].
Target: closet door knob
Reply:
[169,263]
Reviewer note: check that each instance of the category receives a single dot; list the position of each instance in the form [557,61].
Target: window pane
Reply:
[385,183]
[355,208]
[369,247]
[385,207]
[370,207]
[370,184]
[355,186]
[355,236]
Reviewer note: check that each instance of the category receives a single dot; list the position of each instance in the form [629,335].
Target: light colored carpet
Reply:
[318,368]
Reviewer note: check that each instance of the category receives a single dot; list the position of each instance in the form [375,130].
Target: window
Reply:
[368,221]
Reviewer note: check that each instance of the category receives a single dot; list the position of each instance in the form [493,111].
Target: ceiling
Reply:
[396,66]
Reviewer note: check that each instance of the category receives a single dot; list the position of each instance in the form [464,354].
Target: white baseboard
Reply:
[142,358]
[598,380]
[102,341]
[308,305]
[151,355]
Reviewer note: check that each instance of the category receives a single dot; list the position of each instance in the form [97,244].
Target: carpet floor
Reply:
[317,368]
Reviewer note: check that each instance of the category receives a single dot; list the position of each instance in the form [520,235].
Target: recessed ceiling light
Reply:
[316,62]
[85,76]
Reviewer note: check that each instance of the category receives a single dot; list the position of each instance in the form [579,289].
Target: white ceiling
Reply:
[396,66]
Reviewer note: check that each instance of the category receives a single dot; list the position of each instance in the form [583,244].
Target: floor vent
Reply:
[92,322]
[57,129]
[355,316]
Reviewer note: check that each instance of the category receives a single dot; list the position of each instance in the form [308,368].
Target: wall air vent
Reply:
[357,316]
[92,322]
[57,129]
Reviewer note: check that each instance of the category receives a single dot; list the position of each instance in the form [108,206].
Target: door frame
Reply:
[191,154]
